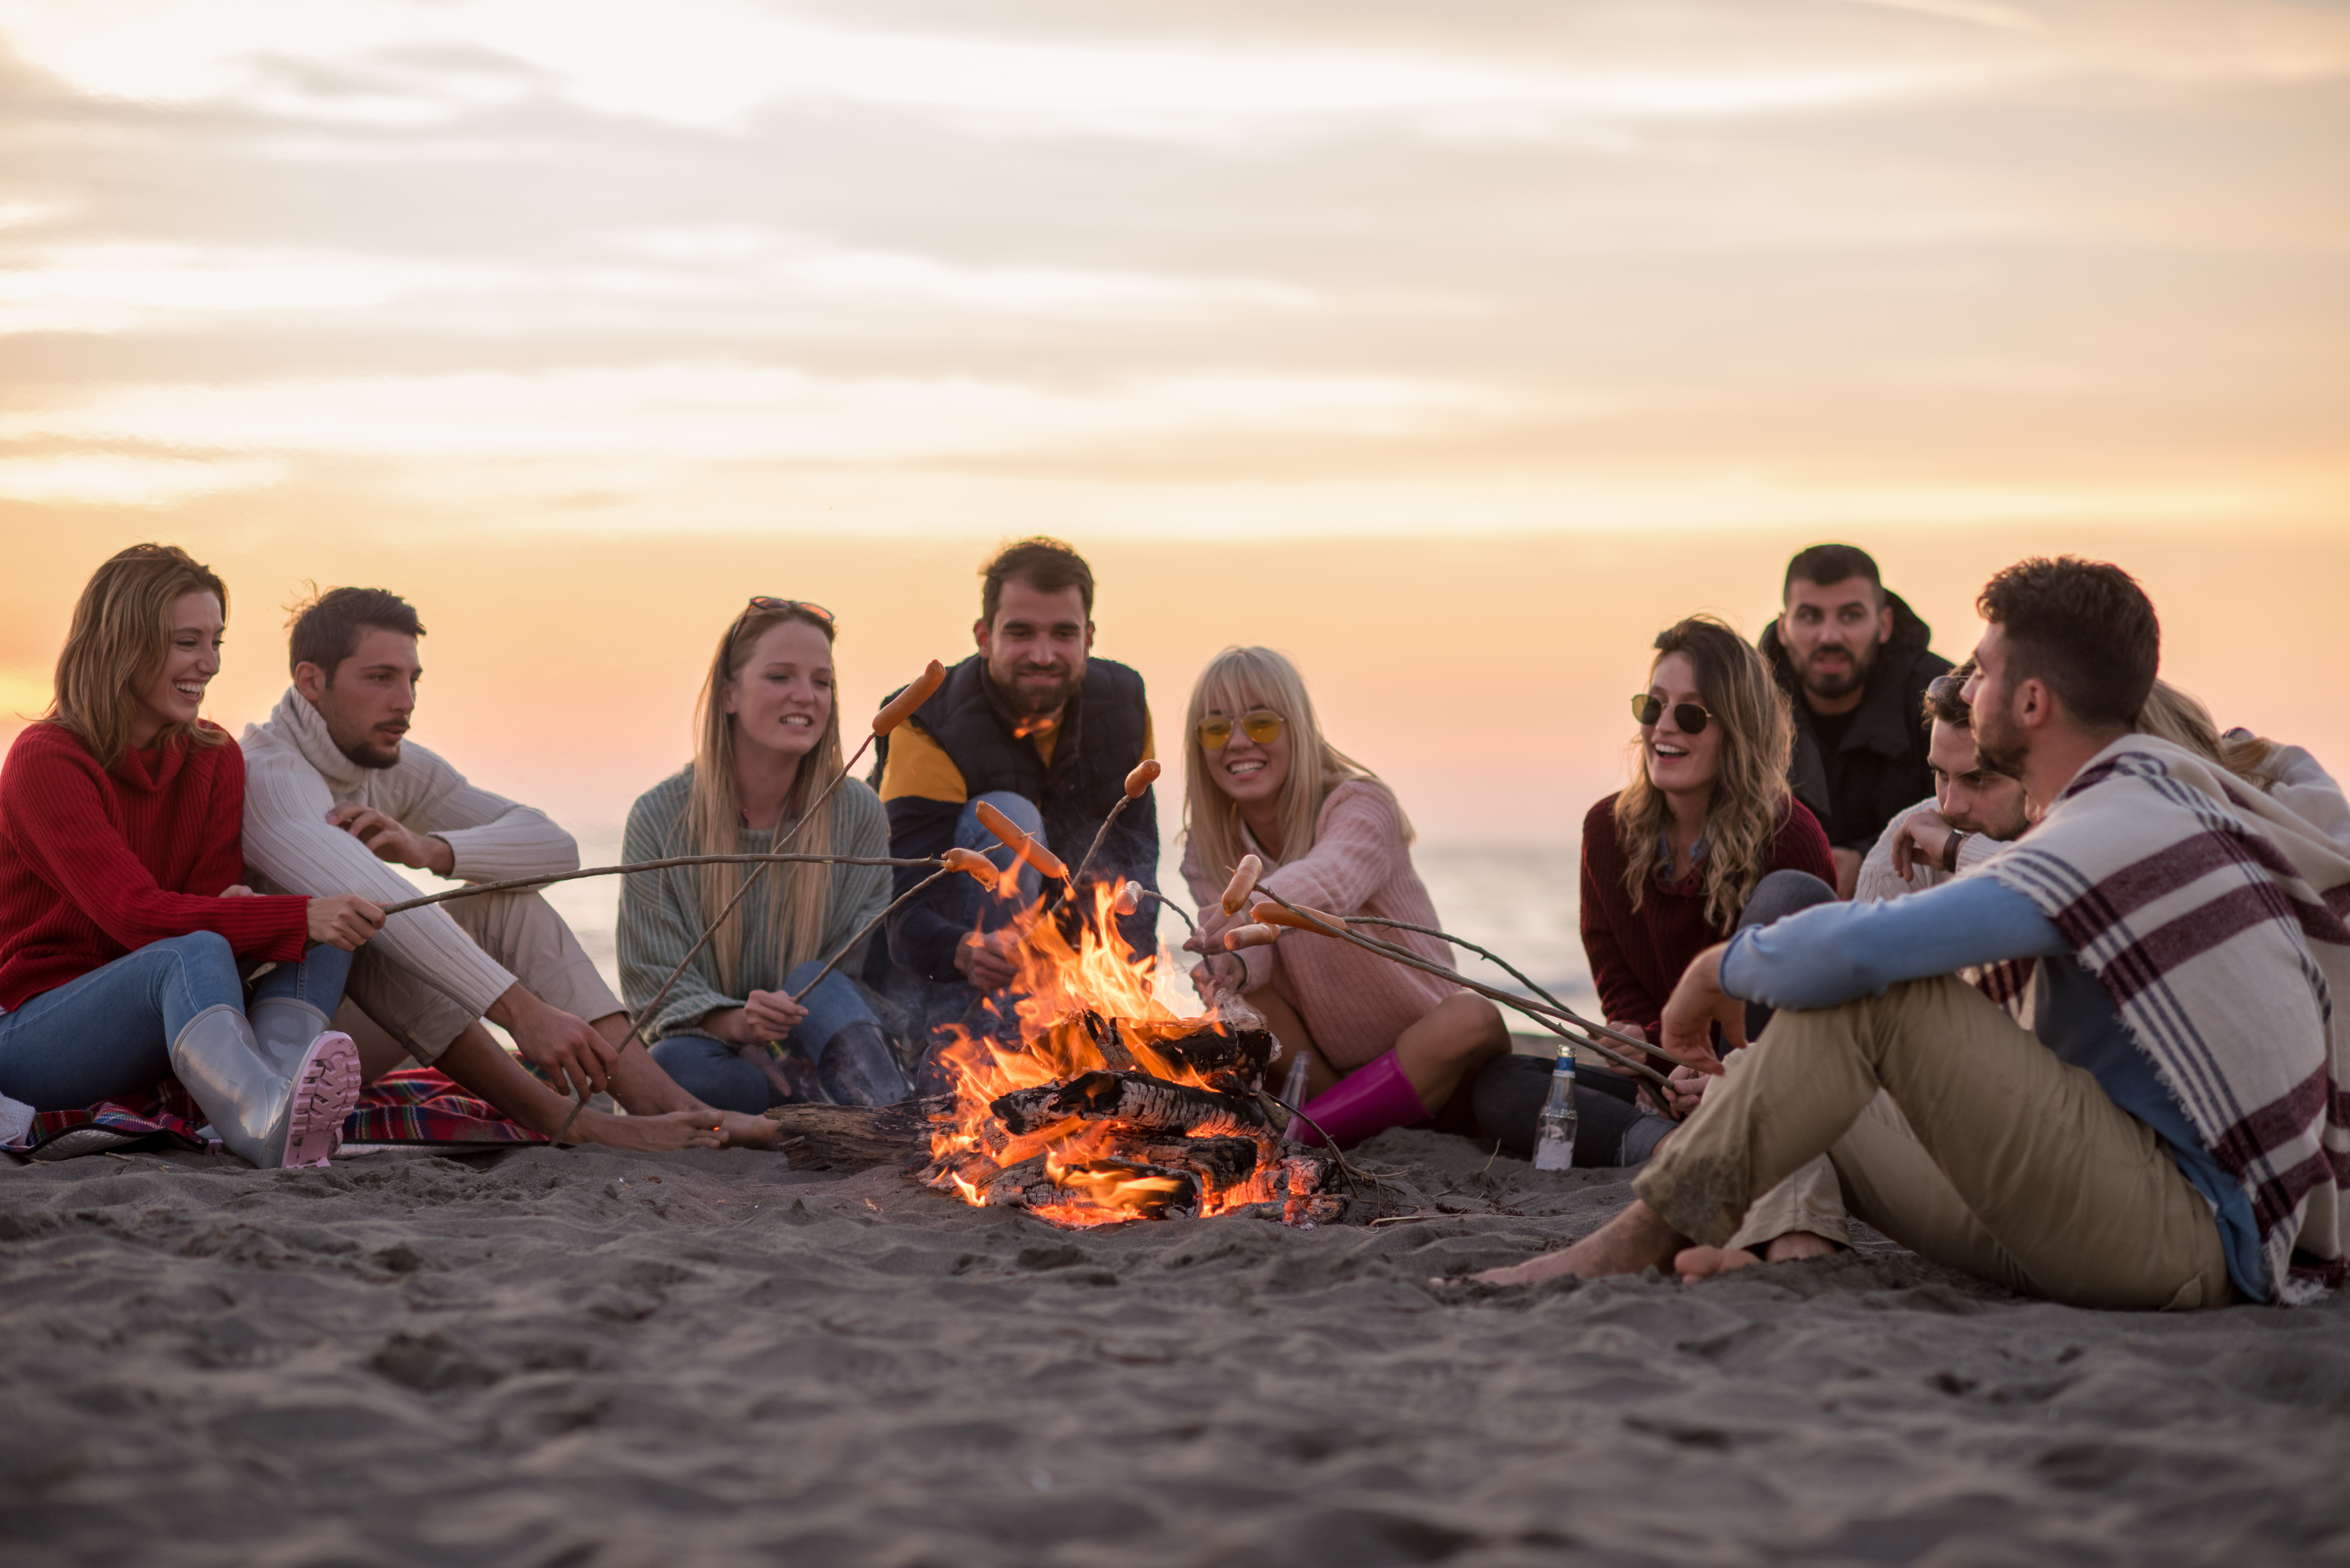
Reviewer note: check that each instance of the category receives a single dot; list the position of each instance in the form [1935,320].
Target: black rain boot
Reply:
[858,1068]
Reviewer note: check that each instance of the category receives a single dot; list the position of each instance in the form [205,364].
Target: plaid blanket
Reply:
[2214,918]
[413,1106]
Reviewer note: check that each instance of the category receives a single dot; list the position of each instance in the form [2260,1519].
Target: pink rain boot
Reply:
[1370,1099]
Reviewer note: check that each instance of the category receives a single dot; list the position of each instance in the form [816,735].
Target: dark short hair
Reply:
[326,628]
[1826,563]
[1045,565]
[2084,628]
[1942,698]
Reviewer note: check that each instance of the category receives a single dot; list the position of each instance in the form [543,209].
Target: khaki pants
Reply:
[1986,1154]
[522,932]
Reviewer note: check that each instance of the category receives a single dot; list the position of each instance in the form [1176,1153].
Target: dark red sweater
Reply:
[1637,957]
[94,864]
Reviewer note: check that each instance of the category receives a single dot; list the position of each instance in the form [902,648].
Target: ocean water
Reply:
[1519,902]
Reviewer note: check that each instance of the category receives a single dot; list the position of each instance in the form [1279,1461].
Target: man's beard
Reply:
[1998,745]
[1855,677]
[363,752]
[1031,701]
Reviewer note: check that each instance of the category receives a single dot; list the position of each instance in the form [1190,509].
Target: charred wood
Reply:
[1132,1099]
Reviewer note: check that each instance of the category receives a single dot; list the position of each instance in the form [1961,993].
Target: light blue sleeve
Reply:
[1834,952]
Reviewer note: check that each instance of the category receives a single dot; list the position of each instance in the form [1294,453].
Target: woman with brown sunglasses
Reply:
[1384,1045]
[1676,861]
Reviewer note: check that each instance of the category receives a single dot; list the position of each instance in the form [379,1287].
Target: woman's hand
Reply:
[1686,1090]
[345,921]
[771,1014]
[236,890]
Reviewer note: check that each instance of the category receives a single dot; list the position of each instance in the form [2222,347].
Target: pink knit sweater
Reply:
[1355,1002]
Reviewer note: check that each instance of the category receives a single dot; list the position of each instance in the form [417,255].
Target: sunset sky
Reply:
[1454,350]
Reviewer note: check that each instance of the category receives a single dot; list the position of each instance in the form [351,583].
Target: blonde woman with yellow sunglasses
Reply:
[1384,1045]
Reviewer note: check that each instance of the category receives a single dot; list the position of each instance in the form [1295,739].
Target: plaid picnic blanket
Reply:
[414,1105]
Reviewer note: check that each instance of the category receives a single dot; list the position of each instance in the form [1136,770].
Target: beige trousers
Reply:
[520,931]
[1987,1154]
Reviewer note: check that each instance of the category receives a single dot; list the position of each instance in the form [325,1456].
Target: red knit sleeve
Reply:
[1804,845]
[1605,906]
[58,798]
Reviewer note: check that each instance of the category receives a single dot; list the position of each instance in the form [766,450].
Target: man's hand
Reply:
[1925,835]
[1697,1002]
[1847,870]
[1686,1090]
[345,921]
[389,839]
[236,890]
[987,958]
[568,1049]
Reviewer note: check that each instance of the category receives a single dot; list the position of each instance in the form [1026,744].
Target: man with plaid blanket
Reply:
[2167,1133]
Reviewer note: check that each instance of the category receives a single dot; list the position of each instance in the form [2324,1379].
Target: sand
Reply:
[549,1357]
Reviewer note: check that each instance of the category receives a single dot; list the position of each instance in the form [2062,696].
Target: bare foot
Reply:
[1635,1240]
[650,1135]
[749,1132]
[1704,1263]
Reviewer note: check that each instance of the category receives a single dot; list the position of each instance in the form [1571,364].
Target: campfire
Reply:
[1112,1108]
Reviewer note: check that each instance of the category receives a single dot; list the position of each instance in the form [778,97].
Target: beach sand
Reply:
[564,1358]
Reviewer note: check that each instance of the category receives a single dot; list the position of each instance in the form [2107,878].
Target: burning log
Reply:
[1132,1100]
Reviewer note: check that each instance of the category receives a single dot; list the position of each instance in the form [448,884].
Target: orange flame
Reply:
[1058,983]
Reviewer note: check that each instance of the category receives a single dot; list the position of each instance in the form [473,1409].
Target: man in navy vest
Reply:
[1033,726]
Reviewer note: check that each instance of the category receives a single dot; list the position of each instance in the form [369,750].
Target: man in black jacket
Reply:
[1046,734]
[1854,659]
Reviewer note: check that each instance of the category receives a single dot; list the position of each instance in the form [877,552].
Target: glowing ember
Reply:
[1112,1108]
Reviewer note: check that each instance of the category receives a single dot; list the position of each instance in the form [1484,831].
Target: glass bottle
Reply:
[1555,1128]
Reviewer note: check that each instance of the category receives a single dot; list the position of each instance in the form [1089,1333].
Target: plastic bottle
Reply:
[1555,1128]
[1293,1092]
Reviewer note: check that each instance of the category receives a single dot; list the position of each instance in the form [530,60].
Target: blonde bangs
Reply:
[1235,681]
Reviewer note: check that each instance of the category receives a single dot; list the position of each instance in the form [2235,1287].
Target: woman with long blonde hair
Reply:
[122,918]
[1384,1045]
[767,742]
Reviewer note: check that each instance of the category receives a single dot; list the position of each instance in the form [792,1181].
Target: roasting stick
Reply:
[970,862]
[894,712]
[1331,926]
[1491,957]
[1144,776]
[520,883]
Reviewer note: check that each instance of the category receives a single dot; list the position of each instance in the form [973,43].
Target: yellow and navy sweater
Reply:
[964,742]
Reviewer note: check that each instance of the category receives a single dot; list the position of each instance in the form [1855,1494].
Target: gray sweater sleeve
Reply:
[858,892]
[661,917]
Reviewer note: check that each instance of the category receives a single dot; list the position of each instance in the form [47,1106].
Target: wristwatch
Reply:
[1951,849]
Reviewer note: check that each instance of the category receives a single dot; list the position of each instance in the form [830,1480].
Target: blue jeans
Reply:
[712,1072]
[941,1002]
[109,1033]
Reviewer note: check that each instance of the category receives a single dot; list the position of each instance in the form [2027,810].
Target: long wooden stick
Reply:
[520,883]
[1534,1011]
[900,902]
[1493,957]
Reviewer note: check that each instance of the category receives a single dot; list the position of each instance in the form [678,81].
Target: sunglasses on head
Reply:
[1259,725]
[1945,691]
[1648,707]
[770,605]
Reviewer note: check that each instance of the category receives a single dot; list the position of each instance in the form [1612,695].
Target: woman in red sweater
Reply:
[122,918]
[1706,837]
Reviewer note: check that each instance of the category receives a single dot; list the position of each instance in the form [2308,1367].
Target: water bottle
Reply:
[1555,1128]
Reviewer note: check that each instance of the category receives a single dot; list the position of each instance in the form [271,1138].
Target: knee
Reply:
[1022,811]
[1783,893]
[1474,1029]
[208,962]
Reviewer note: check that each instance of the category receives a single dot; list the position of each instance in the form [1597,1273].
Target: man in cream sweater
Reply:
[334,791]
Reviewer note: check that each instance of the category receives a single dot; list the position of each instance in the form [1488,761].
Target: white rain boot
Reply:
[287,1031]
[271,1115]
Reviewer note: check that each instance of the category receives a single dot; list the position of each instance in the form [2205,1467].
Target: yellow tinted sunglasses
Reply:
[1259,725]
